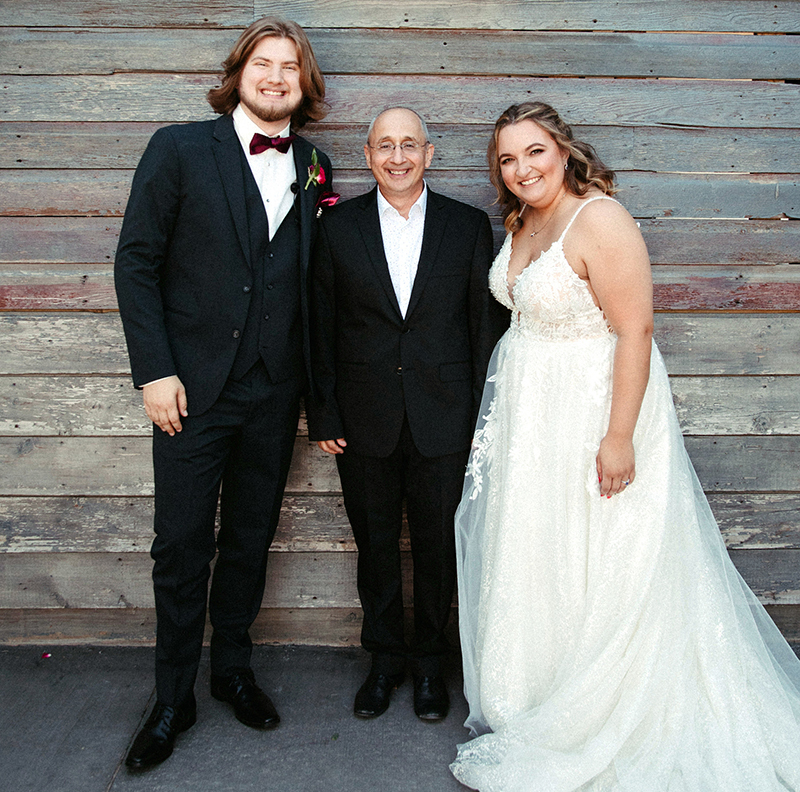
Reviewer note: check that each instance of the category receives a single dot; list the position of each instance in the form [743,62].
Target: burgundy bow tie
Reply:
[261,143]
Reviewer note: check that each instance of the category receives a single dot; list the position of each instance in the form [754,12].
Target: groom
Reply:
[402,328]
[211,282]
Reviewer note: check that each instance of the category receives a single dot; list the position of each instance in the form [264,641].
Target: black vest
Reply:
[274,327]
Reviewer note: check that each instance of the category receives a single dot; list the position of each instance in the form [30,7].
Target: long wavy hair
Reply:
[584,167]
[225,98]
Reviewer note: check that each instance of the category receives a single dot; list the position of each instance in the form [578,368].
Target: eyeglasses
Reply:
[386,149]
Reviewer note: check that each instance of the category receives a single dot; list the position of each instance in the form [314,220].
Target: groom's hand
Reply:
[332,446]
[165,403]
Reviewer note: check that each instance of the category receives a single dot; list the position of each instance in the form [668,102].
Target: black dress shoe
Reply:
[431,702]
[251,705]
[154,743]
[373,696]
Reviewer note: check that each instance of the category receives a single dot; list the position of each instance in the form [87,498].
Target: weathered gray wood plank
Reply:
[305,626]
[746,464]
[73,144]
[106,466]
[78,240]
[27,192]
[709,15]
[692,344]
[294,580]
[93,406]
[315,523]
[90,287]
[308,524]
[392,51]
[461,100]
[34,239]
[737,405]
[108,580]
[143,13]
[121,466]
[129,626]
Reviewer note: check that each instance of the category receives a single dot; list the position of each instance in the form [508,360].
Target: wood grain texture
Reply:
[105,145]
[90,287]
[136,626]
[143,13]
[121,466]
[79,240]
[302,626]
[316,523]
[28,193]
[35,406]
[308,524]
[692,344]
[710,15]
[294,580]
[452,100]
[403,51]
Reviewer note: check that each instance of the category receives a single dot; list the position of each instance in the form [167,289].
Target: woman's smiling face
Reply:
[531,163]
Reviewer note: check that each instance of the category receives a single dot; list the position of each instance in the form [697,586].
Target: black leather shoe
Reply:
[373,696]
[431,702]
[154,743]
[251,705]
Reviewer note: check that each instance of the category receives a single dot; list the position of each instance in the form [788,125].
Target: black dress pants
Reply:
[374,489]
[242,445]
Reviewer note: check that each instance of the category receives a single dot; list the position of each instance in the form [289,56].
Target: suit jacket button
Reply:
[236,333]
[246,289]
[399,370]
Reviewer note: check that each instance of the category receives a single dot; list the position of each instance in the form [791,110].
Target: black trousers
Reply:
[243,447]
[374,489]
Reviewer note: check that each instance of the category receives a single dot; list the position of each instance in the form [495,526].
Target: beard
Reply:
[274,112]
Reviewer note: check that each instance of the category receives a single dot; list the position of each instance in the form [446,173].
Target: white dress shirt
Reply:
[402,243]
[274,172]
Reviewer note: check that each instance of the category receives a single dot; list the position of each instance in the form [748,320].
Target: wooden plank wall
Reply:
[696,104]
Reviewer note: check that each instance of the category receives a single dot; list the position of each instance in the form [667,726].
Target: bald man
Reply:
[402,329]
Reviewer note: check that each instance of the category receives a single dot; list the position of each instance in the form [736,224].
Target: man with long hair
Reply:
[211,281]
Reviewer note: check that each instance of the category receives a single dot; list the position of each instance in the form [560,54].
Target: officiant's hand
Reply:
[332,446]
[616,467]
[165,403]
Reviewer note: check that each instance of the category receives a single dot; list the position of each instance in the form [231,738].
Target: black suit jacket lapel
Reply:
[370,225]
[226,149]
[306,199]
[435,222]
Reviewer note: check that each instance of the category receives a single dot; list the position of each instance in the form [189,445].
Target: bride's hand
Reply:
[616,468]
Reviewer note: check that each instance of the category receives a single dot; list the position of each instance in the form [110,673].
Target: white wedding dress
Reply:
[609,645]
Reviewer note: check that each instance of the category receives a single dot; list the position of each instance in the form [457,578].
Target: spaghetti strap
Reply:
[585,203]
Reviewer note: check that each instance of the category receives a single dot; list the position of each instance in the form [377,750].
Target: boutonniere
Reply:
[325,200]
[316,173]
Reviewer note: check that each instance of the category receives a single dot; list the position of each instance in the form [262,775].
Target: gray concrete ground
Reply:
[66,722]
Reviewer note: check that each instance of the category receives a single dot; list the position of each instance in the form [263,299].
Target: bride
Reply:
[609,644]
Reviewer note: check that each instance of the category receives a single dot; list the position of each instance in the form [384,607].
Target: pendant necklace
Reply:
[534,233]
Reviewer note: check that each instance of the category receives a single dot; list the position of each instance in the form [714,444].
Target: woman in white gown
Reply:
[609,644]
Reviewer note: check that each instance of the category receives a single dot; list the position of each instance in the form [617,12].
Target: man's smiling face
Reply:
[269,88]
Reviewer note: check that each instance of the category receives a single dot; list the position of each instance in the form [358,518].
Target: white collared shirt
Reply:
[274,172]
[402,244]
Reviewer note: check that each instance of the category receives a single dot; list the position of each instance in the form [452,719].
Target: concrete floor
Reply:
[67,720]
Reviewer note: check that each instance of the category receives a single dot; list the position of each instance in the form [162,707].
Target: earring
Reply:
[566,165]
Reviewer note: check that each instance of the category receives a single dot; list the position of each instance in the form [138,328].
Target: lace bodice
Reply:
[549,299]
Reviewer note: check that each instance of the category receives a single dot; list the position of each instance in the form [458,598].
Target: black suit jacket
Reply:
[183,269]
[370,365]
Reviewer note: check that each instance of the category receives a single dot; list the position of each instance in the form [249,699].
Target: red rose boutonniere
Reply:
[316,173]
